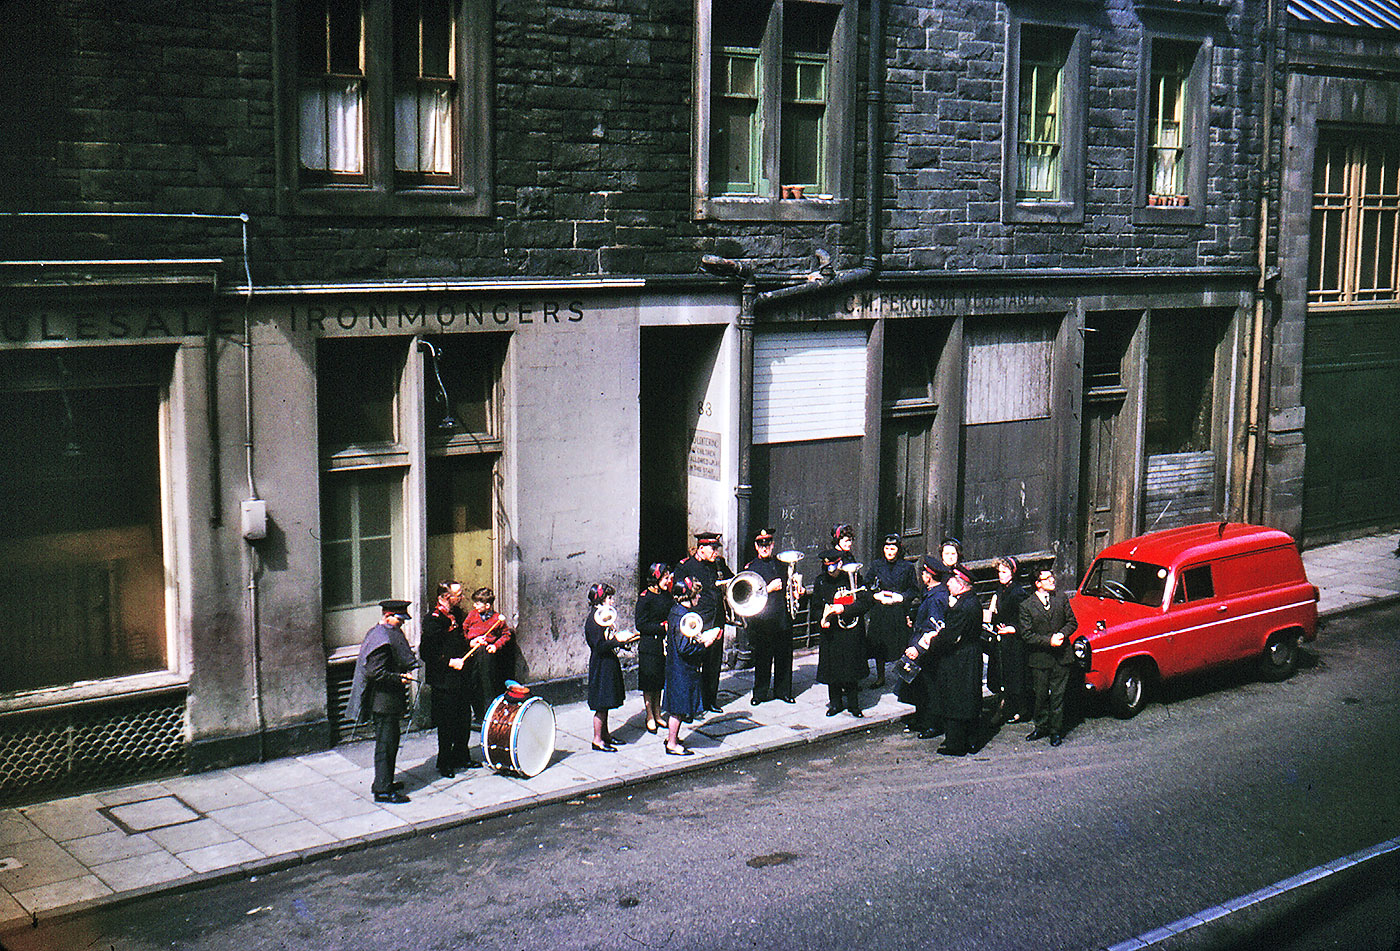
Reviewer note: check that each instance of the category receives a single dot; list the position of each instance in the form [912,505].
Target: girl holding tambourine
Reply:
[686,644]
[605,690]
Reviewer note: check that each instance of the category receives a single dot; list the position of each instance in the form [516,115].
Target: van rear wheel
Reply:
[1280,658]
[1128,695]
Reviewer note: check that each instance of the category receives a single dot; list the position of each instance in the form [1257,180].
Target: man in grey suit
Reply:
[1047,623]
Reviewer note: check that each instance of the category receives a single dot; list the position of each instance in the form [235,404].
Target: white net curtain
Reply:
[332,126]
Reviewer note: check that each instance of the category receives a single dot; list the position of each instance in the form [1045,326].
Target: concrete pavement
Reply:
[68,855]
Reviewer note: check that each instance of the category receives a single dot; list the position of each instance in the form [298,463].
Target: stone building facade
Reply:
[305,308]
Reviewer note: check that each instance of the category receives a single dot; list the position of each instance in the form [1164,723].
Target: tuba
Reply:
[793,588]
[746,594]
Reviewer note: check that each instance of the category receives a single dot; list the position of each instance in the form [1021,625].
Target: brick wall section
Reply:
[167,107]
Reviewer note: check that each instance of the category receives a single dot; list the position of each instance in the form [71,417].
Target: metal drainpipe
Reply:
[1261,344]
[254,562]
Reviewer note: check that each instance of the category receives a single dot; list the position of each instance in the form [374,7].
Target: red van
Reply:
[1178,601]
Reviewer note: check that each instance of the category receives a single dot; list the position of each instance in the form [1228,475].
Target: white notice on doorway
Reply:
[704,455]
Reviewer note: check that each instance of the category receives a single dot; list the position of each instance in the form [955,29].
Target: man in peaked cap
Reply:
[770,630]
[383,669]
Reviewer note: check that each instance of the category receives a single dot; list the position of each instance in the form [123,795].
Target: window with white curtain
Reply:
[331,65]
[425,89]
[389,111]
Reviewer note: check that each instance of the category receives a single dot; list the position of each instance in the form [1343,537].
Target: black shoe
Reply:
[832,711]
[683,751]
[1056,739]
[605,747]
[930,734]
[471,764]
[786,699]
[757,699]
[1036,735]
[714,709]
[448,773]
[855,712]
[946,750]
[395,796]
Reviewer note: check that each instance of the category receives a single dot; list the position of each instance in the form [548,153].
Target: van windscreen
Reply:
[1121,580]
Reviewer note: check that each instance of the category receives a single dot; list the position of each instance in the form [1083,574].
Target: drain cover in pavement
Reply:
[147,814]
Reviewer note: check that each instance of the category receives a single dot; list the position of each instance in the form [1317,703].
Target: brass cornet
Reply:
[846,597]
[793,588]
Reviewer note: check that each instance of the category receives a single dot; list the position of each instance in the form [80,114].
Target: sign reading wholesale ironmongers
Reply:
[146,324]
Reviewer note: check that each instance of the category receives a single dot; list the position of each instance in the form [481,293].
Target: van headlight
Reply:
[1083,653]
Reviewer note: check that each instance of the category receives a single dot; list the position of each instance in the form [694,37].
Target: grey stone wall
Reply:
[169,107]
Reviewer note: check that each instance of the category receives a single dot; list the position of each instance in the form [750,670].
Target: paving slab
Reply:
[141,871]
[191,835]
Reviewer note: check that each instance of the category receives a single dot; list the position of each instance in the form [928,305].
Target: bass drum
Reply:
[518,735]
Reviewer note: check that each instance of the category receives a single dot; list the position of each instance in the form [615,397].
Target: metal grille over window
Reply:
[89,746]
[1355,224]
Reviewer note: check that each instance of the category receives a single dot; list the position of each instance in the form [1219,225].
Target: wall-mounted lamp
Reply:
[447,423]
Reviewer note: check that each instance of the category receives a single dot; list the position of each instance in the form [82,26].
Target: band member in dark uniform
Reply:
[684,657]
[1047,623]
[957,683]
[488,639]
[444,649]
[928,622]
[605,689]
[383,669]
[841,660]
[653,607]
[708,567]
[1006,661]
[770,630]
[895,588]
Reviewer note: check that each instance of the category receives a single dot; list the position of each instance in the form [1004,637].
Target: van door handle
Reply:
[1222,609]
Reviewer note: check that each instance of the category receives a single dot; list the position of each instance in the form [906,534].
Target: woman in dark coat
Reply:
[895,588]
[957,683]
[684,658]
[841,648]
[605,690]
[653,607]
[1006,667]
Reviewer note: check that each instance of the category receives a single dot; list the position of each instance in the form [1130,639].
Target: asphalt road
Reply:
[1222,786]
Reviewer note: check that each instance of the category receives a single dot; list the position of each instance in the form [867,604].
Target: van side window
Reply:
[1196,585]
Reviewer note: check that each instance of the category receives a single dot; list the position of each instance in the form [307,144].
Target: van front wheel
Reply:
[1128,695]
[1280,658]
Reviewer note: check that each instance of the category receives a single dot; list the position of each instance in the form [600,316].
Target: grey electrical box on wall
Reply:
[254,519]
